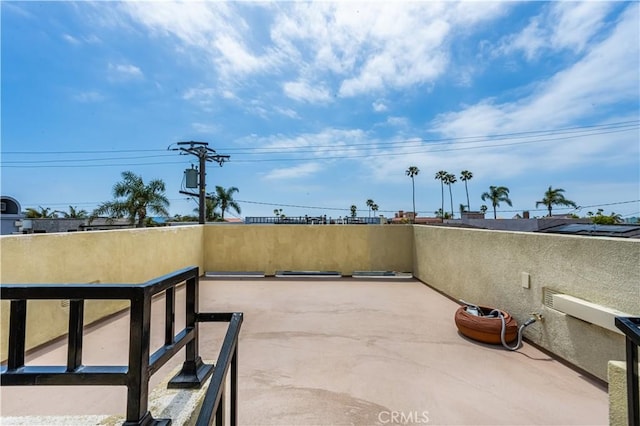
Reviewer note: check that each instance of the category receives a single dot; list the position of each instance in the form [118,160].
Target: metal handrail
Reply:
[213,404]
[630,326]
[141,364]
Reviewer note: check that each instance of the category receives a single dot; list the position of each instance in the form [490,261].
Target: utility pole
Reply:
[204,154]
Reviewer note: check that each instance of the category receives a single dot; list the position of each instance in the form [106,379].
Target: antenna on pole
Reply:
[204,154]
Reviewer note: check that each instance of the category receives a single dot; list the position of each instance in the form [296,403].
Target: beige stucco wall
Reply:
[485,267]
[342,248]
[618,411]
[476,265]
[137,255]
[120,256]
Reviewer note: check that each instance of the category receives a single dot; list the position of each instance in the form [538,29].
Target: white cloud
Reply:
[235,58]
[124,72]
[89,97]
[327,144]
[306,92]
[376,46]
[606,76]
[91,39]
[215,31]
[70,39]
[321,48]
[398,121]
[193,23]
[228,94]
[576,24]
[295,172]
[202,96]
[204,128]
[287,112]
[562,25]
[379,106]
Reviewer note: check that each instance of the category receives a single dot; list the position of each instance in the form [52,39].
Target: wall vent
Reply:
[547,296]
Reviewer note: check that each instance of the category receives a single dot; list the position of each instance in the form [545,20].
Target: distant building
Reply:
[10,215]
[412,217]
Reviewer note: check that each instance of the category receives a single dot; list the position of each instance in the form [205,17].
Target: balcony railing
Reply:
[141,365]
[309,220]
[631,329]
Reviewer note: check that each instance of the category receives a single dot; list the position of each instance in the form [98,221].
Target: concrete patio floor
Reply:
[338,352]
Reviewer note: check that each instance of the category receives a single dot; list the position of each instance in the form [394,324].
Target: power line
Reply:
[292,205]
[622,126]
[64,160]
[337,157]
[117,151]
[425,150]
[497,136]
[164,163]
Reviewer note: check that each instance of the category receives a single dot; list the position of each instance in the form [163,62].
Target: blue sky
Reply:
[324,105]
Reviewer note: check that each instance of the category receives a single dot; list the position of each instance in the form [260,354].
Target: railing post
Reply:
[17,333]
[76,325]
[169,316]
[233,415]
[194,372]
[138,371]
[220,410]
[630,326]
[632,383]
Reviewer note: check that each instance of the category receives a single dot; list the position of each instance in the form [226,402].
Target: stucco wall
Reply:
[122,256]
[342,248]
[485,267]
[476,265]
[137,255]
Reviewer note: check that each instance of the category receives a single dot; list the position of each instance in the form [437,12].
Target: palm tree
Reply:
[463,209]
[354,210]
[466,175]
[441,176]
[210,213]
[374,208]
[132,198]
[555,197]
[369,204]
[484,208]
[601,219]
[74,213]
[43,213]
[413,171]
[442,215]
[497,194]
[224,199]
[449,180]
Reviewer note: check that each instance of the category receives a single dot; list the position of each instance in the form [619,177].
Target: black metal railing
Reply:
[309,220]
[630,326]
[141,364]
[213,404]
